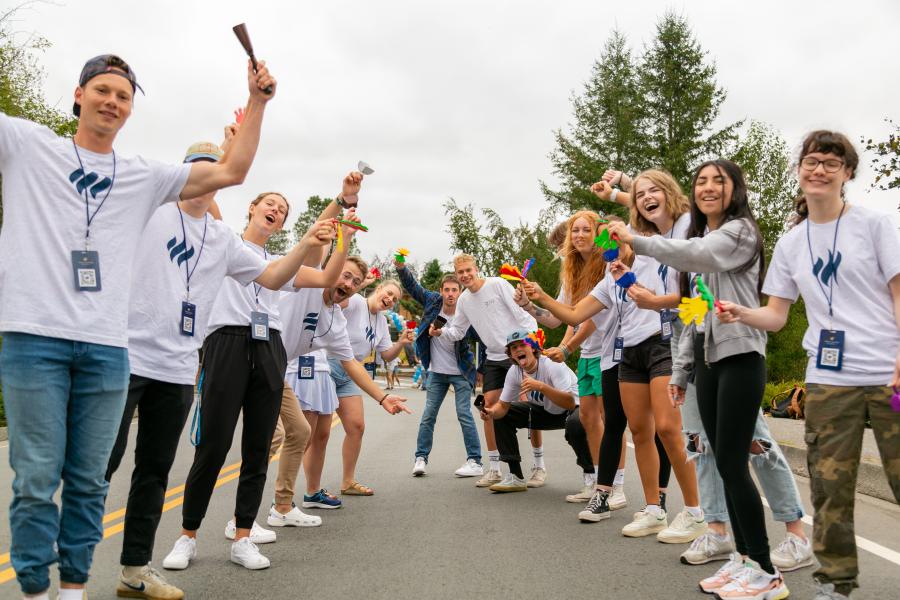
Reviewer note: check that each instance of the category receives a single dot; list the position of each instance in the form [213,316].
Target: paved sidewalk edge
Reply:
[871,480]
[4,435]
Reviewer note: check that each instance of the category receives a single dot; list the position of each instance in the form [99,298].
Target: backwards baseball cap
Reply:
[105,63]
[206,151]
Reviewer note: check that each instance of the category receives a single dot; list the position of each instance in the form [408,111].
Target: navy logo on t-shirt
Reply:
[179,249]
[827,271]
[370,335]
[310,321]
[663,271]
[92,182]
[536,397]
[622,293]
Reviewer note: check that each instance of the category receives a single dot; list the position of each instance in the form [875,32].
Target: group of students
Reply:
[284,342]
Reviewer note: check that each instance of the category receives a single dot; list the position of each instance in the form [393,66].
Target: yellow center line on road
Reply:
[227,474]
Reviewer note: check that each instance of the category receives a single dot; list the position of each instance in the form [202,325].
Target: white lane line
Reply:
[866,544]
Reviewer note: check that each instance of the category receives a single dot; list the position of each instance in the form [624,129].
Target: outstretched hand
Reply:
[619,231]
[729,312]
[395,405]
[533,290]
[350,188]
[260,80]
[320,233]
[602,189]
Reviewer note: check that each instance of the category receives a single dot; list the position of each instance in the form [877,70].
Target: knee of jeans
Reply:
[761,453]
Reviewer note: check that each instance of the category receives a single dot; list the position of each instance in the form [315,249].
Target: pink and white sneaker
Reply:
[723,576]
[752,583]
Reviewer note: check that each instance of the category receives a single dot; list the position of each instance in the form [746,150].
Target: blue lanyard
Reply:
[188,273]
[829,295]
[313,338]
[659,272]
[87,209]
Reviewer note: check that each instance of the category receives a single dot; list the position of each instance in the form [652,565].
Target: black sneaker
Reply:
[597,509]
[662,501]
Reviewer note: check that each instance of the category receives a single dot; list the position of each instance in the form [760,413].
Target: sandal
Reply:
[357,489]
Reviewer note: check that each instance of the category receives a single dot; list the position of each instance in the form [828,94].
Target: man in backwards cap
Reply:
[538,394]
[74,210]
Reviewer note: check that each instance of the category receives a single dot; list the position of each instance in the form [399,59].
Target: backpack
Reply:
[789,404]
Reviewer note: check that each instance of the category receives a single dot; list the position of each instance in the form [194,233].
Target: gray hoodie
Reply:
[716,256]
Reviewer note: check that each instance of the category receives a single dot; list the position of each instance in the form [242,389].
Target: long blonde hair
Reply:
[676,202]
[577,275]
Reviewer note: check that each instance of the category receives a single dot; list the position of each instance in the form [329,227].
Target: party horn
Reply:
[244,38]
[364,168]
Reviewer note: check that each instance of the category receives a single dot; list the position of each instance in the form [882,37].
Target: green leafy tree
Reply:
[682,100]
[279,242]
[432,275]
[314,207]
[608,116]
[886,159]
[465,233]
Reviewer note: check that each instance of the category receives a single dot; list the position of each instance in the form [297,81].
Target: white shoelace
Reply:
[702,544]
[790,546]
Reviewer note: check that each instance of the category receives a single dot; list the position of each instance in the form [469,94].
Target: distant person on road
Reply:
[538,394]
[845,261]
[73,213]
[446,363]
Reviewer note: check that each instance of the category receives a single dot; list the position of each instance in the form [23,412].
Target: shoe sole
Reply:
[778,596]
[292,524]
[469,474]
[592,518]
[129,593]
[253,568]
[576,500]
[508,490]
[486,484]
[808,563]
[643,532]
[415,474]
[684,539]
[170,567]
[536,484]
[705,561]
[618,505]
[323,506]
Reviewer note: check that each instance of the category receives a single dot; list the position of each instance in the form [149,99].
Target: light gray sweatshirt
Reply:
[716,256]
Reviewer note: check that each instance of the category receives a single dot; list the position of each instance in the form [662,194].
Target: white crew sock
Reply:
[596,472]
[70,594]
[494,459]
[654,509]
[44,596]
[538,457]
[589,479]
[620,477]
[695,511]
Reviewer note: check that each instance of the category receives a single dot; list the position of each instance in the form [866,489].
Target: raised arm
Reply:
[407,336]
[457,330]
[279,272]
[586,308]
[208,177]
[409,283]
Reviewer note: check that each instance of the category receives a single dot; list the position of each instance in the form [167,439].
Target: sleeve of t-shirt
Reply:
[601,291]
[512,386]
[564,380]
[458,326]
[336,341]
[384,338]
[244,265]
[13,135]
[779,281]
[887,247]
[169,180]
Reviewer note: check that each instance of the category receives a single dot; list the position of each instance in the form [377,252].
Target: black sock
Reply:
[516,469]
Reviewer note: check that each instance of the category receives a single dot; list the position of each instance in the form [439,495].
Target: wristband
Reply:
[565,350]
[383,398]
[613,194]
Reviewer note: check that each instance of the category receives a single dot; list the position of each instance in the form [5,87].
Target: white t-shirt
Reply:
[557,375]
[235,301]
[591,347]
[44,222]
[156,347]
[493,313]
[311,325]
[636,324]
[443,353]
[367,332]
[865,258]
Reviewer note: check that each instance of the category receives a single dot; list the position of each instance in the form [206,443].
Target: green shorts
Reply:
[590,377]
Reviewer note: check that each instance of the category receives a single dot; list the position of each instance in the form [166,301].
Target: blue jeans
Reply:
[64,401]
[438,385]
[771,468]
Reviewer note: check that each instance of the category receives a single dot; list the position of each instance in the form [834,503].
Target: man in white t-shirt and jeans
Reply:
[487,305]
[538,394]
[73,213]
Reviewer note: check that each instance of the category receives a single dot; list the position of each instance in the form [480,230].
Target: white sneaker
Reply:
[184,550]
[245,553]
[754,584]
[489,478]
[685,528]
[583,496]
[645,523]
[725,575]
[793,553]
[470,469]
[538,477]
[510,483]
[258,535]
[147,583]
[293,518]
[618,500]
[707,548]
[419,467]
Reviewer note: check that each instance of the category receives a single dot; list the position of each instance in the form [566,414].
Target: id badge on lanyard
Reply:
[831,350]
[370,367]
[188,318]
[259,326]
[86,269]
[666,317]
[306,367]
[86,263]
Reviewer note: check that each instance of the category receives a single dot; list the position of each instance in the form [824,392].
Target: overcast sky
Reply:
[453,99]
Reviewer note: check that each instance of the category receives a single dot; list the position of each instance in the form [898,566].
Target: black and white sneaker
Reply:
[597,509]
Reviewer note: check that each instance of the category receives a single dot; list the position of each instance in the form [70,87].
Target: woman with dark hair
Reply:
[725,247]
[845,262]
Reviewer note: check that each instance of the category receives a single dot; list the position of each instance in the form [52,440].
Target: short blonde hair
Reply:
[463,258]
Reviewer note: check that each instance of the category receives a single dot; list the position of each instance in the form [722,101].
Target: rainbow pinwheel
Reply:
[511,272]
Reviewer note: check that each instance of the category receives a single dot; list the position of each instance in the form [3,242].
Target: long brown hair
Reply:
[676,202]
[826,142]
[578,275]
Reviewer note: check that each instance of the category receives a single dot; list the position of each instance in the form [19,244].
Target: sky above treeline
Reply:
[453,99]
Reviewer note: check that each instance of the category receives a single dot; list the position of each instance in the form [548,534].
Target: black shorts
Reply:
[648,360]
[495,374]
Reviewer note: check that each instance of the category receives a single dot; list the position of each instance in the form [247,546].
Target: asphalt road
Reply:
[440,537]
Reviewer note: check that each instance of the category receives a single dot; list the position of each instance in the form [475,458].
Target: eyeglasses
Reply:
[831,165]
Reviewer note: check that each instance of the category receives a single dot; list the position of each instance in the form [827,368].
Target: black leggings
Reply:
[614,423]
[240,375]
[729,393]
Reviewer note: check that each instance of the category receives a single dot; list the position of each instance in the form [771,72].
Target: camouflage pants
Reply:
[835,422]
